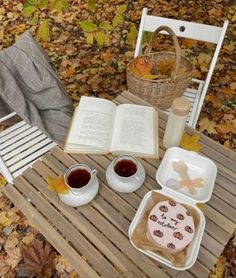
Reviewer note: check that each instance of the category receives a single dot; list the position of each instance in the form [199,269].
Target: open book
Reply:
[99,126]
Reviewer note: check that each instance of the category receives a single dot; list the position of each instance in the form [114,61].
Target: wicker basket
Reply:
[161,92]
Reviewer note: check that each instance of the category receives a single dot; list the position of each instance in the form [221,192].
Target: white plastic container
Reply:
[198,166]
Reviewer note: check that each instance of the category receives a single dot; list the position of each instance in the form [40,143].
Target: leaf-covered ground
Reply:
[87,68]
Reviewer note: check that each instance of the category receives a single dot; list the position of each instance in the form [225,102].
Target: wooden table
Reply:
[94,238]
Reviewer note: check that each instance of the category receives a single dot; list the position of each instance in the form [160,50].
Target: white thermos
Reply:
[176,122]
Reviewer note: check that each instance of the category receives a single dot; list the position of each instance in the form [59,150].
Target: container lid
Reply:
[180,106]
[198,167]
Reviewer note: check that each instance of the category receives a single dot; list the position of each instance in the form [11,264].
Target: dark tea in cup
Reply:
[125,168]
[78,178]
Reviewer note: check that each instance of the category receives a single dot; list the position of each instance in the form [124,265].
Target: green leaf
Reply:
[132,35]
[29,10]
[88,26]
[59,5]
[34,20]
[147,36]
[43,3]
[32,2]
[65,4]
[43,31]
[56,6]
[99,38]
[121,9]
[90,38]
[91,5]
[105,26]
[118,19]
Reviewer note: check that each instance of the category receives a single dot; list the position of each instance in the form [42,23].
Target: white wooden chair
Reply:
[196,31]
[20,145]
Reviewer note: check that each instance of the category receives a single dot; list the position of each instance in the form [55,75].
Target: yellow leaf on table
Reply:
[200,205]
[191,143]
[57,185]
[2,181]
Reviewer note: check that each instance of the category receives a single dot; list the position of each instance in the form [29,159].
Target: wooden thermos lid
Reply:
[180,106]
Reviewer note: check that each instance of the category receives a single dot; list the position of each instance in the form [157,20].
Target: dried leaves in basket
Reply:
[159,70]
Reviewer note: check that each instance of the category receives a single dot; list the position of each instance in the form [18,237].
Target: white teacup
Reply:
[129,177]
[79,178]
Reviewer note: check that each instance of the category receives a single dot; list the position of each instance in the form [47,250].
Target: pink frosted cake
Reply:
[170,226]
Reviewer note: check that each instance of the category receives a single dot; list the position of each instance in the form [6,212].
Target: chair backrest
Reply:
[20,145]
[190,30]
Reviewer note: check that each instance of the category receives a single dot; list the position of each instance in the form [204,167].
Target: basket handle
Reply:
[176,44]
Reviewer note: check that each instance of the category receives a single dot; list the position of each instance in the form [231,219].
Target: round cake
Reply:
[170,226]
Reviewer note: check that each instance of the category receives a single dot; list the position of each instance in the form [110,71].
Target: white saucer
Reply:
[80,200]
[119,185]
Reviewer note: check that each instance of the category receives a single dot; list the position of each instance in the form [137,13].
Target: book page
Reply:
[135,130]
[92,125]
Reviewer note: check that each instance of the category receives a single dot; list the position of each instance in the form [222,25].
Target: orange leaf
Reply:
[57,185]
[191,143]
[228,93]
[227,127]
[190,43]
[107,56]
[216,103]
[142,66]
[69,72]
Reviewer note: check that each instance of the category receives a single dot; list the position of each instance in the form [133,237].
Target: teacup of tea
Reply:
[125,174]
[79,178]
[125,166]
